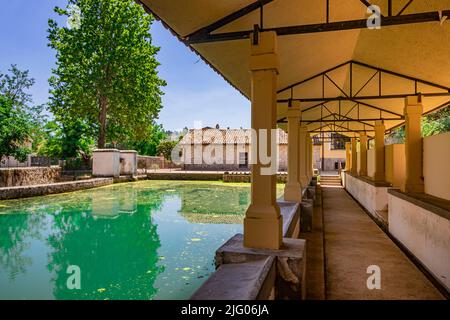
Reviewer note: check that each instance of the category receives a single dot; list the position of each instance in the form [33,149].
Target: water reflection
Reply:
[108,207]
[135,241]
[15,231]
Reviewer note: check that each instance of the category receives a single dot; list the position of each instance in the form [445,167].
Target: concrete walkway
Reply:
[354,242]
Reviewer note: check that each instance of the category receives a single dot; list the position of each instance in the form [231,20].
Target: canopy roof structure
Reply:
[346,75]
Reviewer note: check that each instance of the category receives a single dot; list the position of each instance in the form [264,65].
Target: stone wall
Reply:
[181,175]
[246,177]
[13,177]
[51,188]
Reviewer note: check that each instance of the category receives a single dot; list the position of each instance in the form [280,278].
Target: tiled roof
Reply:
[224,136]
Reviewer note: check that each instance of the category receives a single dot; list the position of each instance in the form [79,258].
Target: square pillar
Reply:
[379,151]
[310,157]
[413,145]
[106,163]
[263,221]
[303,163]
[354,158]
[293,188]
[363,153]
[347,156]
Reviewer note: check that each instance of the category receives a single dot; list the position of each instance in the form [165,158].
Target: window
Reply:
[338,141]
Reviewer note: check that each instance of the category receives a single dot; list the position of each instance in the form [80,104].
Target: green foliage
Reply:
[148,146]
[15,130]
[14,86]
[165,148]
[106,70]
[67,140]
[436,123]
[433,123]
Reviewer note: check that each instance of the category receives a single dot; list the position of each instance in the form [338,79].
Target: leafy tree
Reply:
[433,123]
[436,122]
[67,140]
[15,130]
[148,146]
[165,148]
[106,70]
[14,86]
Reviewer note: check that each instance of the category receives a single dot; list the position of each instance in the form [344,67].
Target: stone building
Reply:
[224,149]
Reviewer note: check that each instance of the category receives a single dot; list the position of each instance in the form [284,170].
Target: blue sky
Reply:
[194,91]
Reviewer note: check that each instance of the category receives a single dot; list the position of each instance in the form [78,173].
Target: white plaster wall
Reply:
[128,164]
[436,161]
[424,233]
[106,163]
[370,197]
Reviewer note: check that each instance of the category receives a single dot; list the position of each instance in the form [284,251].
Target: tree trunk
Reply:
[102,120]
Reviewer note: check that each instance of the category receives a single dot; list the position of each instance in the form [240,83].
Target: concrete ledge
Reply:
[423,228]
[53,188]
[123,179]
[439,206]
[252,274]
[252,280]
[291,218]
[370,181]
[290,263]
[371,195]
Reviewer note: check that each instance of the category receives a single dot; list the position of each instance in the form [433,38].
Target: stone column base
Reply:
[290,263]
[263,232]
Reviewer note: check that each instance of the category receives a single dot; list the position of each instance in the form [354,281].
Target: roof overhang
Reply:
[346,75]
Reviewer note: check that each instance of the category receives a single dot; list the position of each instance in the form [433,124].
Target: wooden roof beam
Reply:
[206,31]
[324,27]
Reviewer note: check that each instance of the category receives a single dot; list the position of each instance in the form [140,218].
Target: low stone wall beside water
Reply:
[14,177]
[52,188]
[246,177]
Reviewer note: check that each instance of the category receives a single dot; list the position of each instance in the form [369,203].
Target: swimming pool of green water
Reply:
[141,240]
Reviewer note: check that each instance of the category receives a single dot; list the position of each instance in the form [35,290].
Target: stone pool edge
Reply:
[10,193]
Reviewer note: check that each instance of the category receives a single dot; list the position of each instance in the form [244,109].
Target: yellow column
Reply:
[379,151]
[347,156]
[263,222]
[303,163]
[363,153]
[354,157]
[413,145]
[293,188]
[310,157]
